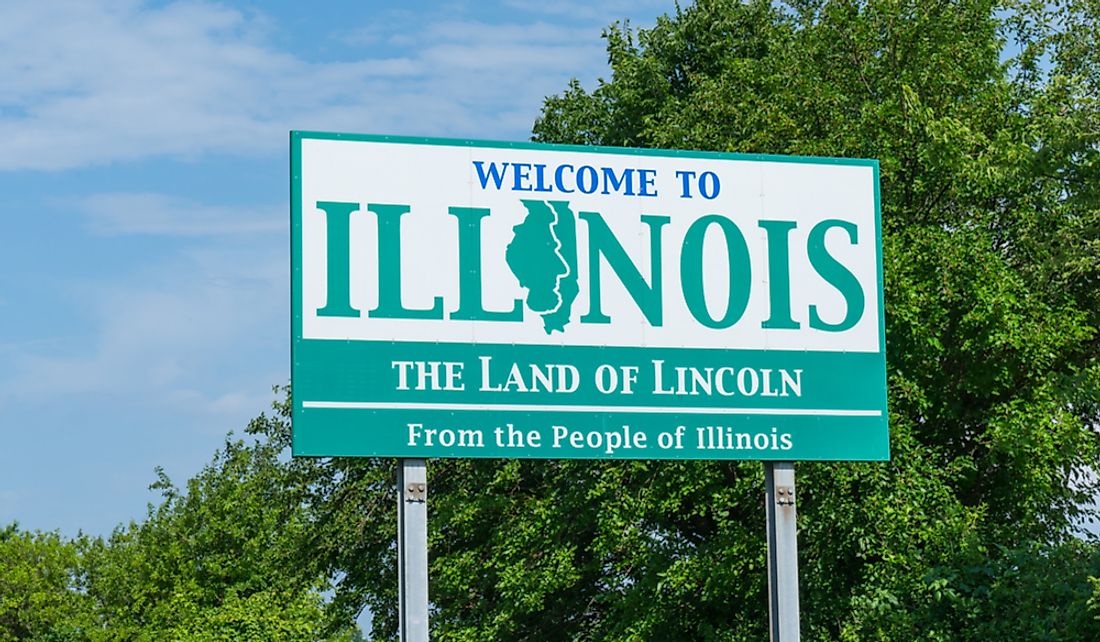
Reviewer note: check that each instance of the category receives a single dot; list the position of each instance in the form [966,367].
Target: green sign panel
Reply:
[457,298]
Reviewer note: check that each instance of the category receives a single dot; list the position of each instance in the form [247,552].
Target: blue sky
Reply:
[144,277]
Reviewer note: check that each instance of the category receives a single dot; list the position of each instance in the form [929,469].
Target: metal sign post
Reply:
[412,549]
[782,551]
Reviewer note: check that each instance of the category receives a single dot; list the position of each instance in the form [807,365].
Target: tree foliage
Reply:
[985,118]
[39,586]
[222,559]
[986,122]
[214,561]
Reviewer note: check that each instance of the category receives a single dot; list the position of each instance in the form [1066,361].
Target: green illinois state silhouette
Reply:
[543,256]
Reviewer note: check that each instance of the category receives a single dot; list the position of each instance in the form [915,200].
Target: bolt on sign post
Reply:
[456,298]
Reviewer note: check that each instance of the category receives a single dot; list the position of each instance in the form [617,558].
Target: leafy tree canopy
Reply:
[222,559]
[39,582]
[986,122]
[214,561]
[985,117]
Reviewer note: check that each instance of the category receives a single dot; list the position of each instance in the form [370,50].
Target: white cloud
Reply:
[233,404]
[178,330]
[102,81]
[603,12]
[84,83]
[192,329]
[9,499]
[121,213]
[187,326]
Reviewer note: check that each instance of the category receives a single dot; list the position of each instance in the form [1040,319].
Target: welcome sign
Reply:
[456,298]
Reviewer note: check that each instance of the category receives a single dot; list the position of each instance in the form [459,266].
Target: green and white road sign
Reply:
[457,298]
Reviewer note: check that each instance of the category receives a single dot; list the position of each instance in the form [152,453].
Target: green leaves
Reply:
[985,117]
[220,559]
[39,587]
[227,557]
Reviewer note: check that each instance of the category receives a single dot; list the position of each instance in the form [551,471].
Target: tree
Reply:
[986,121]
[989,194]
[39,582]
[218,560]
[226,558]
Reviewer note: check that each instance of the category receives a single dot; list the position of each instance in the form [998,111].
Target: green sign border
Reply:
[330,434]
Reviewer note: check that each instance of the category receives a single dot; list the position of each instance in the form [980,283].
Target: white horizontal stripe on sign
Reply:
[388,405]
